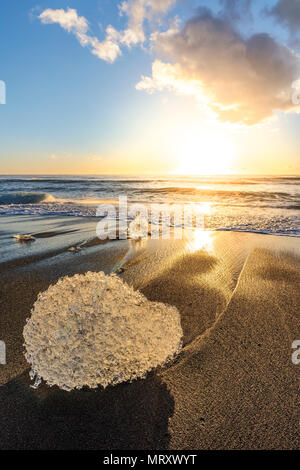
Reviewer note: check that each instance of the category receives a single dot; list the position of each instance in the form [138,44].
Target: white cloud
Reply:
[244,80]
[107,50]
[69,20]
[169,77]
[138,11]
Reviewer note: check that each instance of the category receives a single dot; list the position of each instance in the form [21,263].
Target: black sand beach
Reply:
[234,385]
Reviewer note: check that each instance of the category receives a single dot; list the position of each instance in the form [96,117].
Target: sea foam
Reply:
[93,329]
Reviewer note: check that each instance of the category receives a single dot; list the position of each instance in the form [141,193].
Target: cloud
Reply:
[170,77]
[109,49]
[138,11]
[288,13]
[69,20]
[242,80]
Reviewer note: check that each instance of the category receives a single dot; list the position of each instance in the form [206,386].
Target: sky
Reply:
[150,86]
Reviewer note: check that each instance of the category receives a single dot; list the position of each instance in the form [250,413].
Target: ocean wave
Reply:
[264,204]
[229,180]
[25,198]
[80,180]
[255,195]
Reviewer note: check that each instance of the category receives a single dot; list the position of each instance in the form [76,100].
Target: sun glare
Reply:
[201,240]
[207,154]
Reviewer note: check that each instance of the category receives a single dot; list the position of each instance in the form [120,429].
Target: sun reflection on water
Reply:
[204,208]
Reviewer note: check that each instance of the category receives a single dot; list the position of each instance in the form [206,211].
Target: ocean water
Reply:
[254,204]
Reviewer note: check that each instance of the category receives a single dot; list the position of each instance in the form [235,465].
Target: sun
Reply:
[204,154]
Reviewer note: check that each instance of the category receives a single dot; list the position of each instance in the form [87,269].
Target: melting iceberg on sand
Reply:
[93,329]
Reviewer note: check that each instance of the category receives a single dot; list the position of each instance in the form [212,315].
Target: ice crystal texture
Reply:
[94,329]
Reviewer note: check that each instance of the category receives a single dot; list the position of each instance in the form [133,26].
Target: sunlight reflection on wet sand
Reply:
[200,239]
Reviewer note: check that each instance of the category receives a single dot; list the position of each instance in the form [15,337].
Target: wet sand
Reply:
[232,387]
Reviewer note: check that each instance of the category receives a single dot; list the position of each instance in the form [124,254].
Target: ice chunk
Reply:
[74,249]
[24,238]
[37,383]
[94,329]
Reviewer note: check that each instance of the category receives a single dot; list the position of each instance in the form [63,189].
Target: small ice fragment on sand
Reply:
[37,383]
[74,249]
[24,238]
[93,329]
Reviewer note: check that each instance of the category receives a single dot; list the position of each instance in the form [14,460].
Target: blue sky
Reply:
[69,111]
